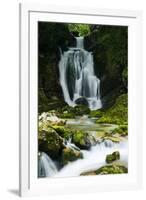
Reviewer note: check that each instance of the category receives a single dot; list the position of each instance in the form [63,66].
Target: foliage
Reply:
[81,29]
[114,40]
[118,113]
[125,73]
[95,113]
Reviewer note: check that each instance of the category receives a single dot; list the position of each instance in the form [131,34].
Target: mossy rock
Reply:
[108,169]
[83,140]
[112,157]
[96,113]
[118,113]
[63,132]
[112,169]
[121,130]
[71,112]
[111,138]
[70,155]
[50,142]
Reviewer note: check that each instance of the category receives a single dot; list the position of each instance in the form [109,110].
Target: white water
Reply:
[92,159]
[83,81]
[46,166]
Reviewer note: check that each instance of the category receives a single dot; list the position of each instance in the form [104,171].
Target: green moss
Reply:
[112,169]
[50,142]
[71,112]
[122,130]
[95,113]
[113,157]
[70,155]
[118,113]
[108,169]
[63,132]
[83,140]
[112,138]
[125,74]
[81,29]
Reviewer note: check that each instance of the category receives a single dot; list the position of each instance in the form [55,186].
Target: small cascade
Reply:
[46,167]
[77,76]
[94,159]
[71,145]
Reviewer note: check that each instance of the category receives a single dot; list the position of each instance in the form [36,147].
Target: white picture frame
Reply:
[30,185]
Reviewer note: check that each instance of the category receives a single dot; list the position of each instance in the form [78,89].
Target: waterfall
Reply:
[46,167]
[77,76]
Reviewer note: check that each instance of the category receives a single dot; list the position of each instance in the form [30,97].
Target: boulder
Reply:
[112,157]
[83,140]
[82,101]
[70,155]
[50,142]
[107,169]
[112,169]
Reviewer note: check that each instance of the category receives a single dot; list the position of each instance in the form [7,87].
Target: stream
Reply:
[93,158]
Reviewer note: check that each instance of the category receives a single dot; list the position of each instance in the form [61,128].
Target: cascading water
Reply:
[46,167]
[92,160]
[77,76]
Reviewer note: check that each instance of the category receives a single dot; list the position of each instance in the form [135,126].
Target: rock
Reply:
[81,110]
[83,140]
[50,119]
[82,101]
[63,132]
[50,142]
[88,173]
[111,139]
[108,169]
[112,169]
[71,112]
[70,155]
[112,157]
[121,130]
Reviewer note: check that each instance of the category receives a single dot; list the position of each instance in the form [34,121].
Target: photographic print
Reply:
[82,99]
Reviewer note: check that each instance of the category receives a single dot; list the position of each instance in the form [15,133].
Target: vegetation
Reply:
[81,29]
[108,45]
[118,113]
[122,130]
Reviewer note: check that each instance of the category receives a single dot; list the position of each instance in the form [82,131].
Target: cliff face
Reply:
[53,38]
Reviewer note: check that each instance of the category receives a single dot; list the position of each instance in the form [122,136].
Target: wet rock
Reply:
[112,157]
[50,119]
[108,169]
[112,169]
[50,142]
[82,101]
[83,140]
[70,155]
